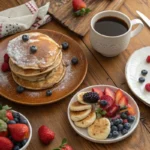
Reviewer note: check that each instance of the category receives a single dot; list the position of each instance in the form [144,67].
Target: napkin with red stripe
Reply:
[23,17]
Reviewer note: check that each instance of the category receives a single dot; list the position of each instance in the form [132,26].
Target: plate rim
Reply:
[59,99]
[110,140]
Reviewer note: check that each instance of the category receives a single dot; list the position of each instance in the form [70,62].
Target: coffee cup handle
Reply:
[138,29]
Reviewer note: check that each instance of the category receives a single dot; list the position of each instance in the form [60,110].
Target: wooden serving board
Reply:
[63,12]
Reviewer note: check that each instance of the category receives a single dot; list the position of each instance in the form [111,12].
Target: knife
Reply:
[145,19]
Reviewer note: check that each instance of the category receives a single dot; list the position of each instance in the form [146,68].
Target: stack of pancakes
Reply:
[39,70]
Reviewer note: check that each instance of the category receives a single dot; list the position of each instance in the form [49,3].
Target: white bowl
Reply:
[84,133]
[30,129]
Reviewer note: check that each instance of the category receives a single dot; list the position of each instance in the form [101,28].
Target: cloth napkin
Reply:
[23,17]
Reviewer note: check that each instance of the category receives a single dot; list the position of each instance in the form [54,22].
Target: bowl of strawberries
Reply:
[103,114]
[15,130]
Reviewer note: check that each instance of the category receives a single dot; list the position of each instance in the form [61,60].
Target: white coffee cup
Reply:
[110,46]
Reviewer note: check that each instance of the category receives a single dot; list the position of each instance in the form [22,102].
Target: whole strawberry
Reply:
[45,134]
[67,147]
[9,115]
[19,131]
[5,67]
[80,8]
[6,58]
[5,144]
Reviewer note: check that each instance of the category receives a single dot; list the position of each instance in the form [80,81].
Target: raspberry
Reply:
[5,67]
[147,87]
[91,97]
[148,59]
[6,58]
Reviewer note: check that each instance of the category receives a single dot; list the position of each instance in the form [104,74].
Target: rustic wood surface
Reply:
[101,70]
[63,12]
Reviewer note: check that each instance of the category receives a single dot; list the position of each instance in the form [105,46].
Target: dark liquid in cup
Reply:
[111,26]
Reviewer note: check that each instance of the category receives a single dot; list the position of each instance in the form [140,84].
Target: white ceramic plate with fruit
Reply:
[15,130]
[137,74]
[103,114]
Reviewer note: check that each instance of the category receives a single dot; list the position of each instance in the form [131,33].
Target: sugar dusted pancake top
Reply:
[47,50]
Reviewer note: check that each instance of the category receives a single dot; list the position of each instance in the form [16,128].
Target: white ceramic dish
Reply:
[30,128]
[84,133]
[135,64]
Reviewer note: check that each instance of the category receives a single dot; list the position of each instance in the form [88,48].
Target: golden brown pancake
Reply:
[19,51]
[50,80]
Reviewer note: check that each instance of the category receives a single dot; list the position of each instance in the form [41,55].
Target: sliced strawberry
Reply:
[117,116]
[109,92]
[9,115]
[113,111]
[123,102]
[109,100]
[130,110]
[118,95]
[98,91]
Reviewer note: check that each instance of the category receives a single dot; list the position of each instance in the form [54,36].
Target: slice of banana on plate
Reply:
[80,97]
[100,129]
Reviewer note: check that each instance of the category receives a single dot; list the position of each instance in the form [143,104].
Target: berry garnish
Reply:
[5,67]
[115,134]
[48,93]
[123,115]
[110,135]
[5,144]
[131,119]
[120,127]
[6,58]
[98,91]
[20,89]
[124,131]
[65,45]
[109,92]
[116,121]
[74,60]
[11,122]
[33,49]
[91,97]
[114,128]
[148,59]
[25,38]
[127,126]
[141,79]
[147,87]
[144,72]
[103,103]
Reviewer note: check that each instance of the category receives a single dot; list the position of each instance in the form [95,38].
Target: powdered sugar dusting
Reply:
[34,93]
[33,40]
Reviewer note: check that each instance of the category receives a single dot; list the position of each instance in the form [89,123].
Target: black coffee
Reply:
[111,26]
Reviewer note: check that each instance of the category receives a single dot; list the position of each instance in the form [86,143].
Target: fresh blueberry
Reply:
[25,38]
[16,147]
[114,128]
[16,115]
[19,144]
[116,121]
[120,121]
[123,115]
[103,103]
[16,120]
[144,72]
[127,126]
[124,131]
[115,134]
[110,135]
[11,122]
[20,89]
[48,93]
[120,127]
[24,121]
[33,49]
[65,45]
[141,79]
[74,60]
[24,142]
[131,119]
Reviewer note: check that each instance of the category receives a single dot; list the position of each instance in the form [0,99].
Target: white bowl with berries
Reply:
[103,114]
[15,130]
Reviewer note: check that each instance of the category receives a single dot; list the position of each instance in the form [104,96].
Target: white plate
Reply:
[136,63]
[84,133]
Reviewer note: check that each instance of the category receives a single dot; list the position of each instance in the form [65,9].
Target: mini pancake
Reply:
[100,129]
[76,106]
[87,121]
[28,73]
[19,51]
[49,81]
[79,115]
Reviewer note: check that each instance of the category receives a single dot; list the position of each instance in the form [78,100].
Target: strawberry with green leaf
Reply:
[80,8]
[64,146]
[3,129]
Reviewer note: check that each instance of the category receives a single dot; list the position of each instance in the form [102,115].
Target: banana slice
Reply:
[76,106]
[80,97]
[87,121]
[100,129]
[79,115]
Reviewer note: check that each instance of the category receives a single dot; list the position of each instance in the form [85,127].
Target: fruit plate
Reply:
[73,78]
[83,132]
[135,64]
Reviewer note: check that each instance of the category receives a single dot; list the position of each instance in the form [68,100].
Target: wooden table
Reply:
[101,71]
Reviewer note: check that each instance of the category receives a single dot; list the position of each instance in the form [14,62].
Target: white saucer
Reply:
[84,133]
[136,63]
